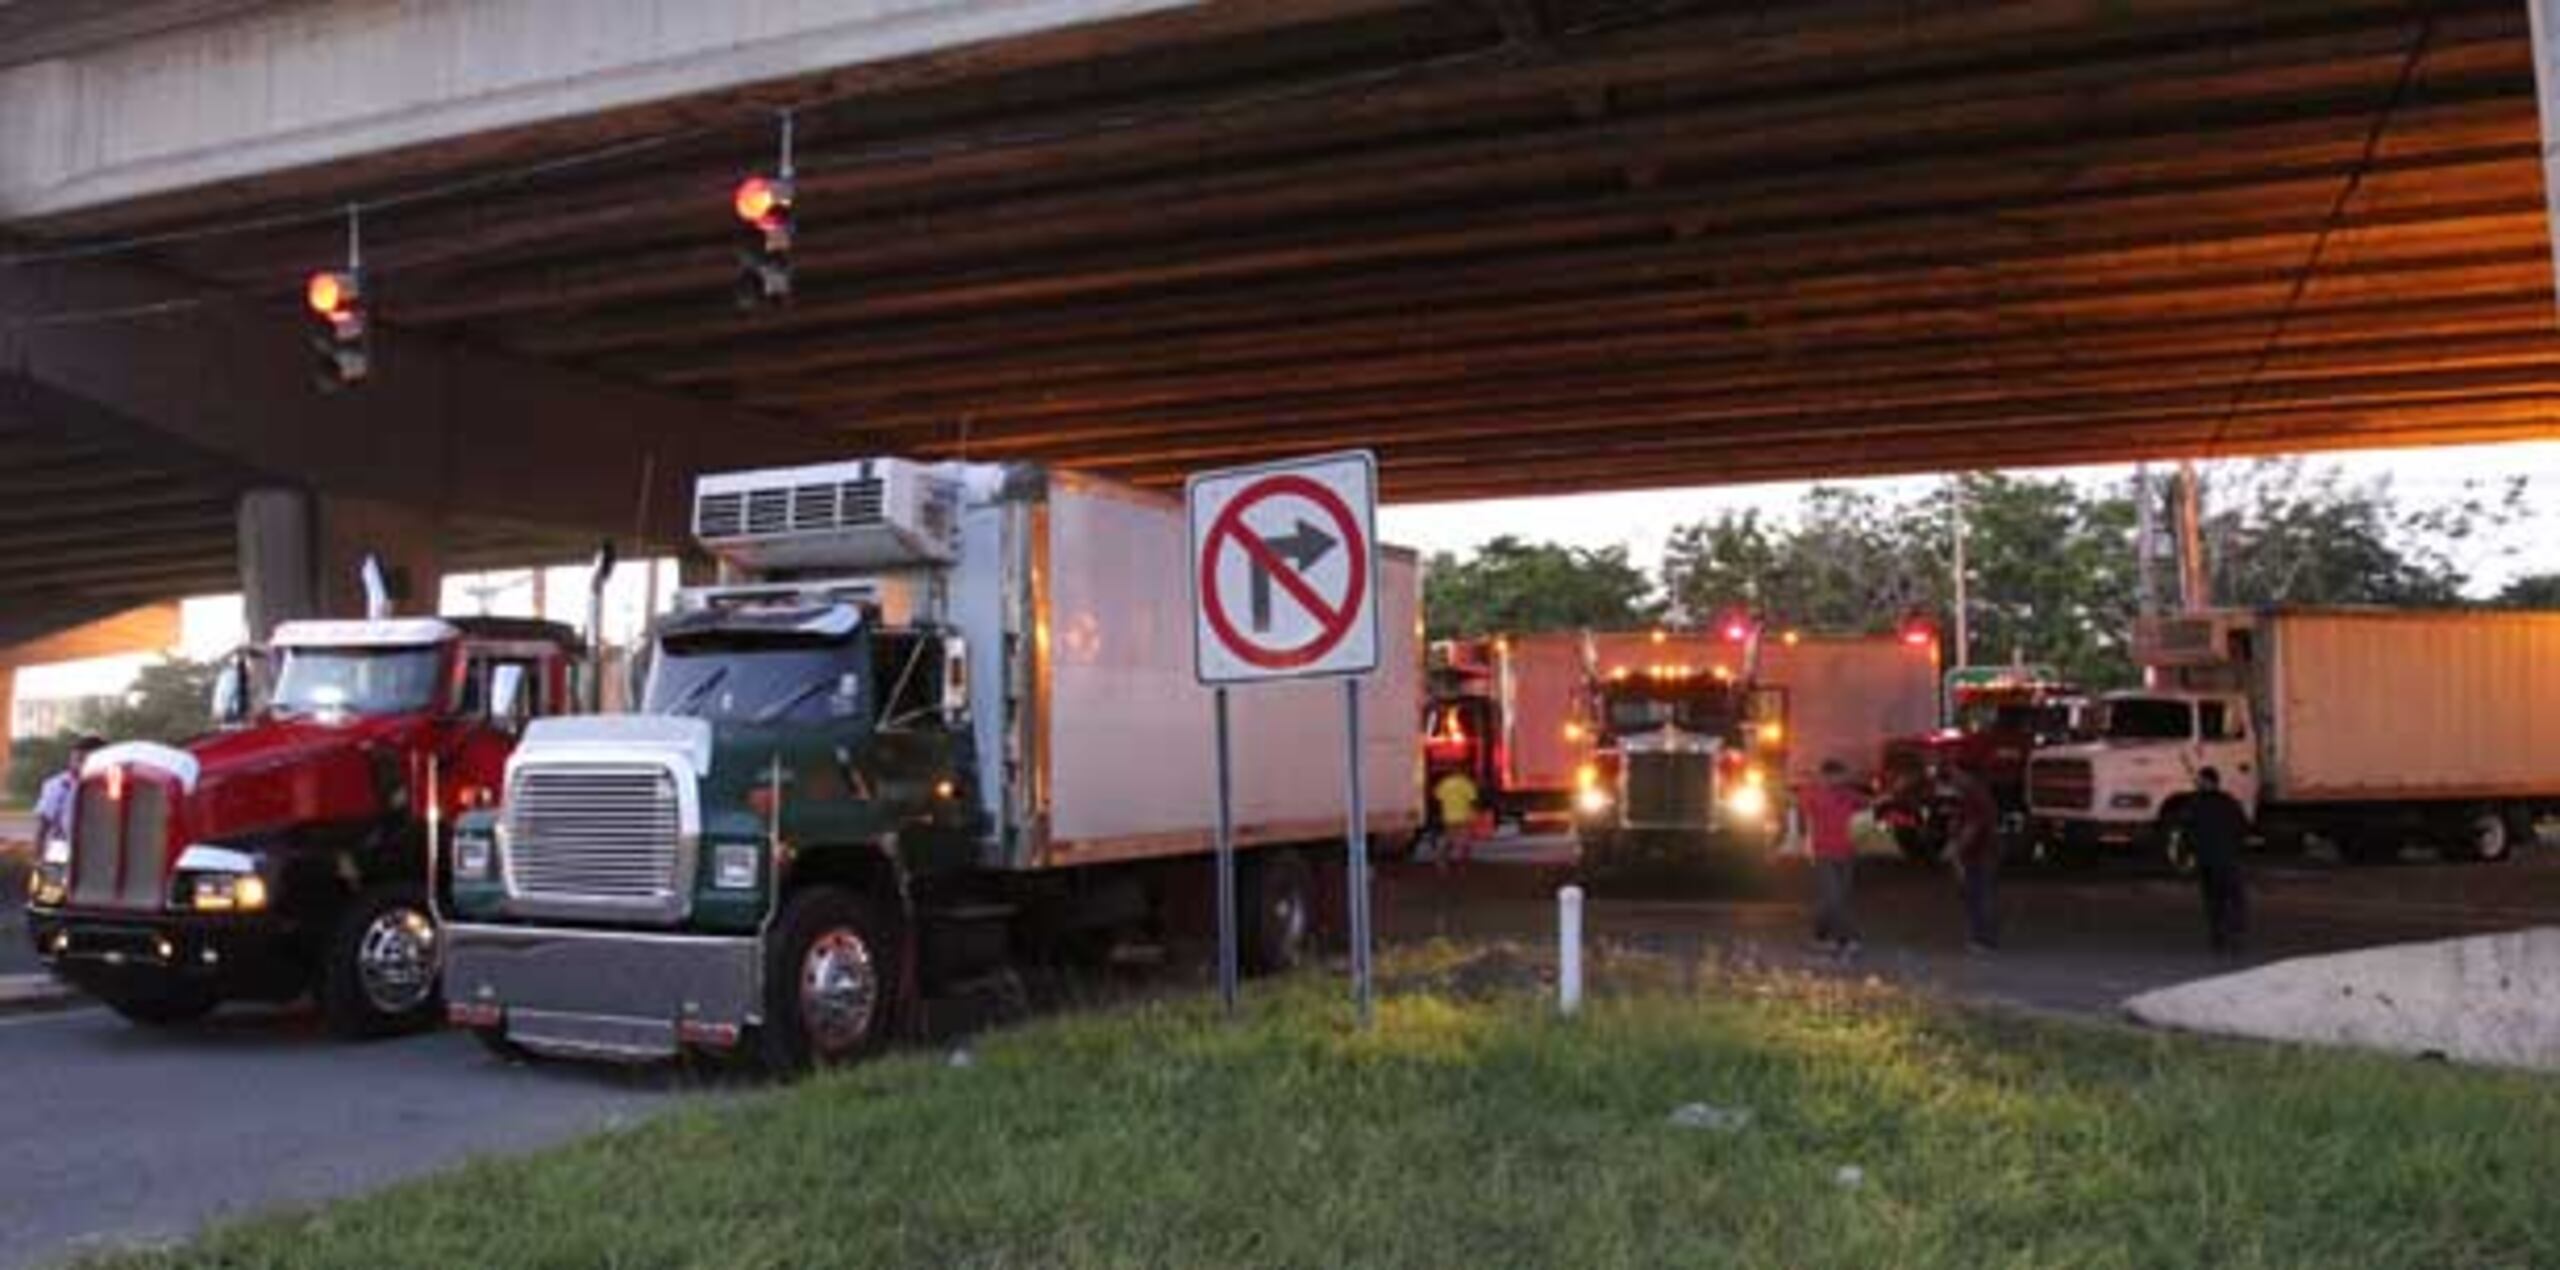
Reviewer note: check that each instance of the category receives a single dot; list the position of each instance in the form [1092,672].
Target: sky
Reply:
[1641,520]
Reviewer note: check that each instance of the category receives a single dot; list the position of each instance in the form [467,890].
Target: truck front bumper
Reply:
[108,955]
[615,995]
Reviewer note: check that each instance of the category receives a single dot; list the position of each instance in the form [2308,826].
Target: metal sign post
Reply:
[1226,864]
[1357,832]
[1284,574]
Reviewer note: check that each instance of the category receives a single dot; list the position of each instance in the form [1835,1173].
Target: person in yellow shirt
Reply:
[1456,795]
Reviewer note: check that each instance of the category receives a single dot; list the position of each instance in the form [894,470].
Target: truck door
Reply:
[2224,742]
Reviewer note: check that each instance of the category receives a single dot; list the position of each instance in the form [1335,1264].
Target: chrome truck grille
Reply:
[1670,789]
[596,839]
[120,841]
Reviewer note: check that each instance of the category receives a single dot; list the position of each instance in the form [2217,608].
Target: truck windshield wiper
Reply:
[798,695]
[700,692]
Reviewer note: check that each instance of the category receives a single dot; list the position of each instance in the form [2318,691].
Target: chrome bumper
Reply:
[622,996]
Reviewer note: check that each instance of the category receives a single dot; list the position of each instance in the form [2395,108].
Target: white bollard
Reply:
[1569,949]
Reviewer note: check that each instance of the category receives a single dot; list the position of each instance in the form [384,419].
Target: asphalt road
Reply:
[118,1135]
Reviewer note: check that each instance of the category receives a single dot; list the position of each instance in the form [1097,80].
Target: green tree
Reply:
[2534,591]
[2050,568]
[1510,585]
[168,701]
[2286,533]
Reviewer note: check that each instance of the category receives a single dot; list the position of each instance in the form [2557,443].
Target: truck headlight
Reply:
[2130,802]
[1749,801]
[1591,800]
[57,851]
[733,865]
[472,855]
[227,893]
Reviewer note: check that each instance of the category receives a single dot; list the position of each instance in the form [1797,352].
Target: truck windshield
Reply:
[357,680]
[1643,710]
[741,678]
[2147,719]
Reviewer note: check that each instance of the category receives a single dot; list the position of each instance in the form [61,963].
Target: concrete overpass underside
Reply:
[1516,246]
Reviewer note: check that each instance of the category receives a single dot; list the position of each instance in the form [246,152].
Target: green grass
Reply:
[1475,1130]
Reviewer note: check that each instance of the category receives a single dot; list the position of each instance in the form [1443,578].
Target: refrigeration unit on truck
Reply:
[286,851]
[2371,728]
[938,709]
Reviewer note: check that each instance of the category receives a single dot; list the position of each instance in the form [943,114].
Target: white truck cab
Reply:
[2125,787]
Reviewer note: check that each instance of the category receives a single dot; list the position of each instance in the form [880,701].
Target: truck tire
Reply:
[163,1005]
[834,973]
[381,967]
[1279,913]
[2169,841]
[2484,834]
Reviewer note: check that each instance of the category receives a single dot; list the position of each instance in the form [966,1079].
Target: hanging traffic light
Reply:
[341,340]
[763,205]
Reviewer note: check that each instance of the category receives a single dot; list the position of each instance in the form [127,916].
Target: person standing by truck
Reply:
[2217,826]
[1830,805]
[1455,798]
[59,797]
[1973,840]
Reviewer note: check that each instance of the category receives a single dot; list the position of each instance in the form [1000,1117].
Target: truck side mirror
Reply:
[231,693]
[955,679]
[506,696]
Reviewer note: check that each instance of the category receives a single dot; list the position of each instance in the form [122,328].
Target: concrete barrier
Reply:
[2488,999]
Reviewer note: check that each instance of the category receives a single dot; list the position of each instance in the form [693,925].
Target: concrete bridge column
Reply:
[301,556]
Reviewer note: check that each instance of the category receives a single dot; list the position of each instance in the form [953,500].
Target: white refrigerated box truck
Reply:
[2372,728]
[932,711]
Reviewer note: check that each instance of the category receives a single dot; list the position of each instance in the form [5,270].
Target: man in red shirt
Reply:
[1829,807]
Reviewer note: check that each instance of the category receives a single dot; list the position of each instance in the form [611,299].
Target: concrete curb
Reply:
[27,994]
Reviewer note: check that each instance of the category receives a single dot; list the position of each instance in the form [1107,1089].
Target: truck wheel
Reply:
[379,973]
[833,973]
[2176,852]
[2486,834]
[164,1005]
[1279,916]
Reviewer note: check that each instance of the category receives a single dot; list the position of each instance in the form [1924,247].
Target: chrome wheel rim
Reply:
[2489,835]
[396,958]
[1289,917]
[2182,859]
[839,992]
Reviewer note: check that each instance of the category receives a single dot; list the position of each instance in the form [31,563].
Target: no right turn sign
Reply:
[1283,570]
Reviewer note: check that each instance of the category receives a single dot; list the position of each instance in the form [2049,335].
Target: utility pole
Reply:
[2195,585]
[2146,542]
[1964,634]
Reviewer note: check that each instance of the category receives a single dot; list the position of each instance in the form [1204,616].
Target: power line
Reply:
[2328,230]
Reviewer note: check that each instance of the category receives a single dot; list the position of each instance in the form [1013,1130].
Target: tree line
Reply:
[2051,564]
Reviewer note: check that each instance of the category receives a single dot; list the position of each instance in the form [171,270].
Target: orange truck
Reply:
[1517,712]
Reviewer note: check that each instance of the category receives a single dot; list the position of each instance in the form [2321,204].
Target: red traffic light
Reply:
[759,199]
[330,293]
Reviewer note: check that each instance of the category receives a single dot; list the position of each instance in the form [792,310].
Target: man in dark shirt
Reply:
[1973,840]
[2217,827]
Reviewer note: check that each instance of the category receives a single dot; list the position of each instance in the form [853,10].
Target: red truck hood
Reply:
[295,771]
